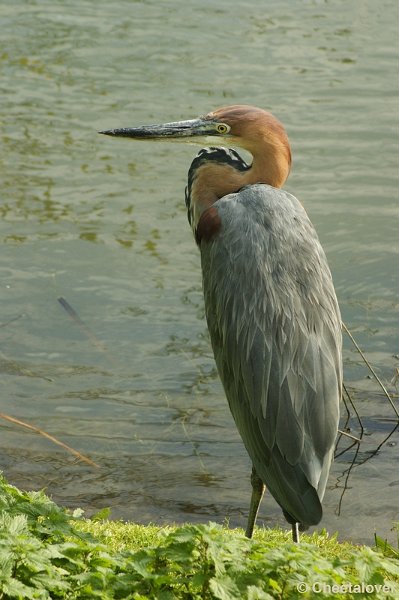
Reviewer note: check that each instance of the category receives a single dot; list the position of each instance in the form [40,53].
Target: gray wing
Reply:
[275,328]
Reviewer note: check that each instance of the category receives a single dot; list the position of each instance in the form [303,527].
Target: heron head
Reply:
[240,124]
[248,127]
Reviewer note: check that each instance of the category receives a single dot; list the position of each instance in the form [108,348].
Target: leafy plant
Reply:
[45,552]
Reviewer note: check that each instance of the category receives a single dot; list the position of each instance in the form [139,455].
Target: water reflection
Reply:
[106,229]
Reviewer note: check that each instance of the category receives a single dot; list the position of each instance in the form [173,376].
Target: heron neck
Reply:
[270,166]
[214,180]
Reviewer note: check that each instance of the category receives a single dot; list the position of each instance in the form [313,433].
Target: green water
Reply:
[102,223]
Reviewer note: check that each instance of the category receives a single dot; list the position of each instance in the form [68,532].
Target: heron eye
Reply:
[222,128]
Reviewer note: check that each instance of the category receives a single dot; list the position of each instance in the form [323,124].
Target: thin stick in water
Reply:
[382,386]
[49,437]
[75,317]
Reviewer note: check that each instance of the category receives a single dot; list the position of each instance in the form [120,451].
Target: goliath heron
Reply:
[271,308]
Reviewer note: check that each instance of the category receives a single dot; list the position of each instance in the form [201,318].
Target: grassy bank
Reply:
[46,552]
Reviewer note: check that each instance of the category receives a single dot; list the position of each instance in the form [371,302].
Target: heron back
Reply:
[275,329]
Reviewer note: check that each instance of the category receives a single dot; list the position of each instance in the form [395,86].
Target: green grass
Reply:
[46,552]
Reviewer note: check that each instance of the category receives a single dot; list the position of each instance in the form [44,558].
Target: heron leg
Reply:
[295,533]
[258,489]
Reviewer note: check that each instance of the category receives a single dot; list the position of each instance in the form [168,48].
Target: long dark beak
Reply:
[177,129]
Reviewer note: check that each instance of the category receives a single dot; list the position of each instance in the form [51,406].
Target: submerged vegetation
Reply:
[47,552]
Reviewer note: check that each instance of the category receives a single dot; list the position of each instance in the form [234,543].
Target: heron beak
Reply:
[176,130]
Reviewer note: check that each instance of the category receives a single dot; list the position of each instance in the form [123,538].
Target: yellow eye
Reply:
[222,128]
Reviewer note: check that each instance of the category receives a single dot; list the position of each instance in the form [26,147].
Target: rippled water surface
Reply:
[101,223]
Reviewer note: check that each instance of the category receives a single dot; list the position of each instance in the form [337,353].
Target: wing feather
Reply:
[275,329]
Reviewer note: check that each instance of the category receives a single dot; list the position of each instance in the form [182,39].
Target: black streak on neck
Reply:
[220,155]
